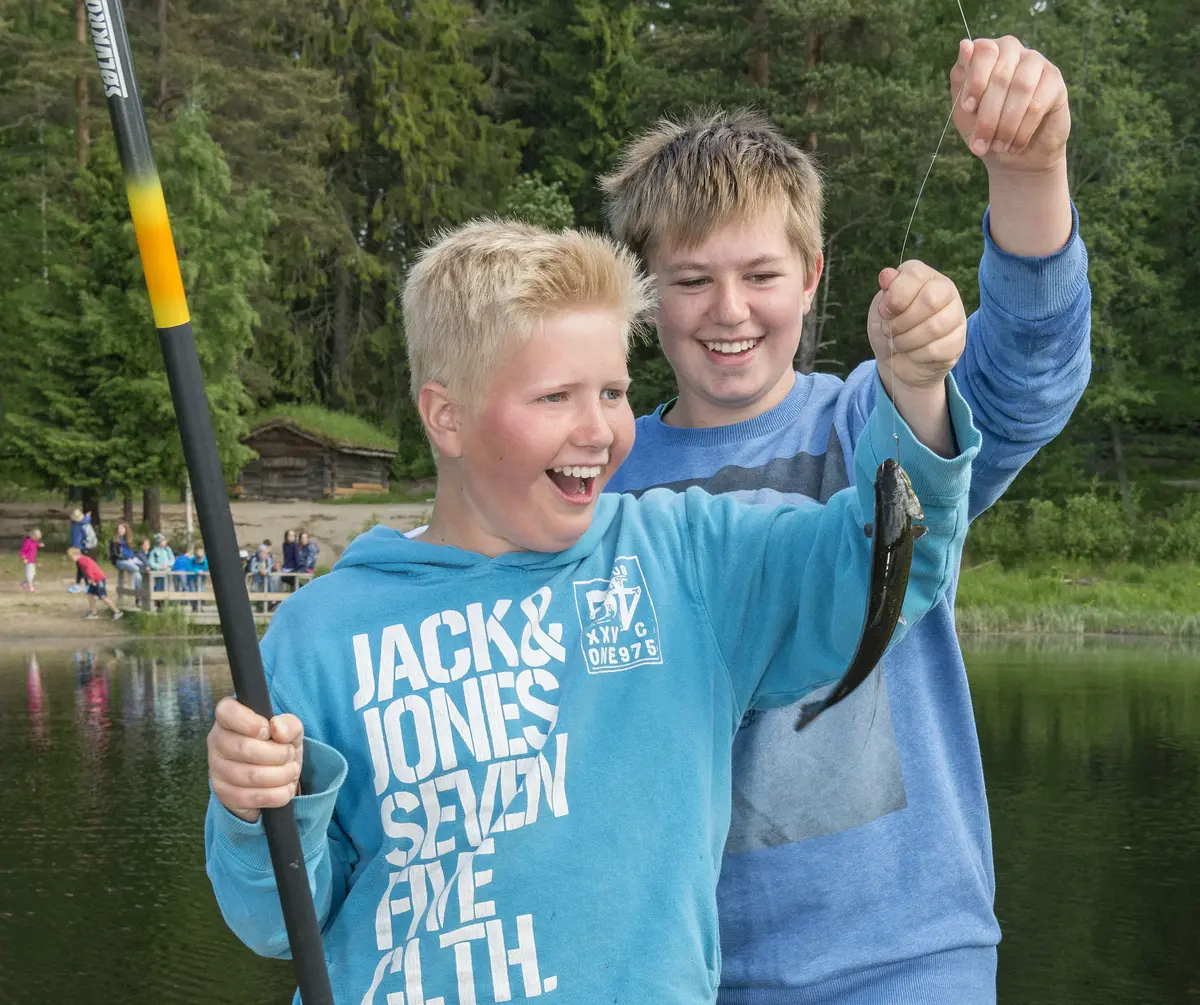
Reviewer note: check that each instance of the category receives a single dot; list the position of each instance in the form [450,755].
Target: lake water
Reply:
[1092,754]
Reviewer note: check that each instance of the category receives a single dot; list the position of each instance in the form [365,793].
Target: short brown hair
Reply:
[682,180]
[479,290]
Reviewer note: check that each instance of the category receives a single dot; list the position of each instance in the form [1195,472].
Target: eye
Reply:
[763,277]
[613,393]
[692,284]
[554,397]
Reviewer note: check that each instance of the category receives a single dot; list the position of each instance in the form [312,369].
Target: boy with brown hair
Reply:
[858,867]
[514,761]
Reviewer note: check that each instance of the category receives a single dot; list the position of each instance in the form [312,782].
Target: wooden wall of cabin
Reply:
[351,469]
[288,467]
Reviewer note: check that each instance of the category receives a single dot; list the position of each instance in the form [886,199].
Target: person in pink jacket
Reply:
[29,553]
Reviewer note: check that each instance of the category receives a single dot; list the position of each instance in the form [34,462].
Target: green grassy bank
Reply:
[1076,598]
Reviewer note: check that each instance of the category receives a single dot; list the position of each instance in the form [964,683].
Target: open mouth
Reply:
[728,351]
[575,483]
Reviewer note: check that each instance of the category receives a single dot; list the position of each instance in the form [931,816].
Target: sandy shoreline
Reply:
[53,615]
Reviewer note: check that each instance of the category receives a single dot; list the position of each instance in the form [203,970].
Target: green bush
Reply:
[1091,527]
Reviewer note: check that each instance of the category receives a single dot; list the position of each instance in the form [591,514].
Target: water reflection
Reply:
[1092,754]
[103,896]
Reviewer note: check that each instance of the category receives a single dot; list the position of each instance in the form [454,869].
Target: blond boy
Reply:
[858,867]
[512,734]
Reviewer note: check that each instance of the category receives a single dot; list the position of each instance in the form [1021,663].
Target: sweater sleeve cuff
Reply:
[321,779]
[1035,288]
[935,480]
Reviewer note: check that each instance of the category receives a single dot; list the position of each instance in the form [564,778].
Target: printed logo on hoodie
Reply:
[617,621]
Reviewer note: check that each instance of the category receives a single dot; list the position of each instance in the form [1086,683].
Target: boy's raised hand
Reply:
[253,763]
[917,328]
[1013,112]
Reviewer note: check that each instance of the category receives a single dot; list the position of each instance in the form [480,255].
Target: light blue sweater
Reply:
[859,862]
[517,770]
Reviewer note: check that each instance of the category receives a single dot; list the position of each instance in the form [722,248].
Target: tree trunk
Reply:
[127,509]
[187,512]
[91,504]
[813,325]
[1122,471]
[152,507]
[341,335]
[83,138]
[45,196]
[806,352]
[814,56]
[760,59]
[160,56]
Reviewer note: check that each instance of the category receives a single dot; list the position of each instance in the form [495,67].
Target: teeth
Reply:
[732,347]
[579,472]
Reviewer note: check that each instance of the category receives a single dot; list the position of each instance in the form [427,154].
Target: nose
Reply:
[592,428]
[730,307]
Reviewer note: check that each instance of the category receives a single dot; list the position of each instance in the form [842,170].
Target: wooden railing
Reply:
[161,588]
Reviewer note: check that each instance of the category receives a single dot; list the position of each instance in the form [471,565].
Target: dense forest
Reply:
[307,151]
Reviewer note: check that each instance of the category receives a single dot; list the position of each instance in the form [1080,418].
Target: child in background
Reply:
[306,553]
[261,570]
[291,560]
[181,566]
[161,558]
[122,555]
[96,588]
[83,537]
[29,552]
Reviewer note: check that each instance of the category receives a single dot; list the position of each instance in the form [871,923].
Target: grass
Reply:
[333,427]
[1078,599]
[398,492]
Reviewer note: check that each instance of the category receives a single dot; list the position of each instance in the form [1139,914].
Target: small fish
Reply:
[896,507]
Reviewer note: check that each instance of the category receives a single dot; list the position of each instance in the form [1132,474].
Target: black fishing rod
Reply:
[171,318]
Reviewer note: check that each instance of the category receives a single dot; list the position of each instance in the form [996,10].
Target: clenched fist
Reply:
[1013,110]
[253,762]
[917,327]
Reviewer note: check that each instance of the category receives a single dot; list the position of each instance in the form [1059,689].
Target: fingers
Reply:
[915,293]
[1001,60]
[983,58]
[246,802]
[931,329]
[287,728]
[252,762]
[249,750]
[231,714]
[1004,91]
[235,775]
[1049,95]
[1021,88]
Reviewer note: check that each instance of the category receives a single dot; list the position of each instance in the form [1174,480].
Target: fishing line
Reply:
[878,671]
[907,230]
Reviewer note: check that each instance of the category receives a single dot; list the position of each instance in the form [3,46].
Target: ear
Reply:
[812,281]
[443,419]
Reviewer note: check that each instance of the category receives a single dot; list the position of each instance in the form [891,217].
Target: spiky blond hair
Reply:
[682,180]
[479,290]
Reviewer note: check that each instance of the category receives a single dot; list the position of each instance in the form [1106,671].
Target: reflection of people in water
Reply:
[91,698]
[37,698]
[193,690]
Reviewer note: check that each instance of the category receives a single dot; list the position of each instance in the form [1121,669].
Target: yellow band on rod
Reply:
[157,248]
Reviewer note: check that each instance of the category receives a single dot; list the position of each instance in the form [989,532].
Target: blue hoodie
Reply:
[517,769]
